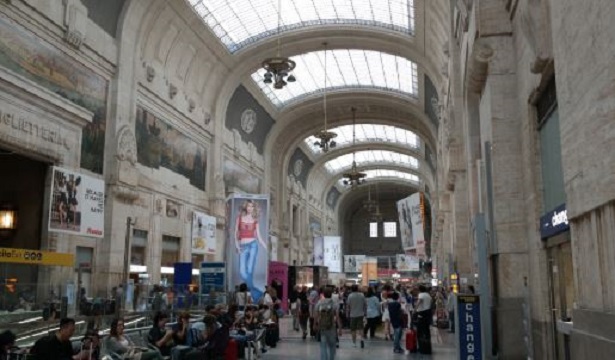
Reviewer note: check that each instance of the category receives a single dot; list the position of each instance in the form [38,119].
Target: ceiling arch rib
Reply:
[346,69]
[239,23]
[368,133]
[365,157]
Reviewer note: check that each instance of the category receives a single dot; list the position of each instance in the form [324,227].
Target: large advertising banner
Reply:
[405,225]
[353,263]
[278,280]
[407,263]
[332,258]
[203,233]
[415,205]
[77,204]
[319,250]
[247,237]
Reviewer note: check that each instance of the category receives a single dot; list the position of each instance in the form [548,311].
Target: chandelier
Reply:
[354,177]
[370,204]
[325,137]
[278,68]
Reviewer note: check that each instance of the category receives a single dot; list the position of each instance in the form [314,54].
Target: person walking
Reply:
[372,313]
[395,315]
[424,318]
[356,312]
[326,319]
[294,296]
[450,306]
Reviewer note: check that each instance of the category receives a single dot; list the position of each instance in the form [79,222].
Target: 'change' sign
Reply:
[468,308]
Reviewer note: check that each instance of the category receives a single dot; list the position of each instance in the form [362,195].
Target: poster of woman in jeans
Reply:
[247,246]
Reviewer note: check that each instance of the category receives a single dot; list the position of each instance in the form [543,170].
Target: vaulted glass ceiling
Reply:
[345,69]
[366,157]
[368,133]
[384,173]
[238,23]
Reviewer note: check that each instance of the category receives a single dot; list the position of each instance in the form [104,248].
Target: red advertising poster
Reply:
[278,279]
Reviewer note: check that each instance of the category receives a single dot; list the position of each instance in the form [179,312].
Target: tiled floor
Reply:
[293,347]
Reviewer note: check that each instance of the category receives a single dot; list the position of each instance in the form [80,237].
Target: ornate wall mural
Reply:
[300,166]
[161,145]
[238,178]
[247,116]
[432,102]
[26,55]
[315,224]
[332,196]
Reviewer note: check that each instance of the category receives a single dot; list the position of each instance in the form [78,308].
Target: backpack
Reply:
[326,315]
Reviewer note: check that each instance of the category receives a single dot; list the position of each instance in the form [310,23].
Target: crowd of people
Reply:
[362,310]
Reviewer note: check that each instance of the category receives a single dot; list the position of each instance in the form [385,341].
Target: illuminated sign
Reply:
[554,222]
[469,333]
[36,257]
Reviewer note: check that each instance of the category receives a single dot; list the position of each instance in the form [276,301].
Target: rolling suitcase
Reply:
[232,350]
[411,340]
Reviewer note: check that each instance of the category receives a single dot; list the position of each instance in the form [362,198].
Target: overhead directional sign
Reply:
[36,257]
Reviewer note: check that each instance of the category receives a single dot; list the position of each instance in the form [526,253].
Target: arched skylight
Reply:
[238,23]
[385,173]
[345,69]
[368,133]
[371,157]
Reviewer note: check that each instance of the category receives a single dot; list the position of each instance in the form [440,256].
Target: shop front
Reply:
[555,233]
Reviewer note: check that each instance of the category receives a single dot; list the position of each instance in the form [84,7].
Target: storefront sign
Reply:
[36,257]
[469,333]
[33,128]
[77,203]
[554,222]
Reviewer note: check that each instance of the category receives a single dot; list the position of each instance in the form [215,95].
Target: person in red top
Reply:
[247,238]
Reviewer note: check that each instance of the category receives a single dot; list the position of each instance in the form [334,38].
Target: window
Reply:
[170,250]
[387,134]
[367,157]
[390,229]
[138,247]
[373,229]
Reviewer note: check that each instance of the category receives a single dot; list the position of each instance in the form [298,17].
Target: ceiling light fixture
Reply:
[325,137]
[278,69]
[354,177]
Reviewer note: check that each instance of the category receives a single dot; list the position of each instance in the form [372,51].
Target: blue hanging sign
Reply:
[468,310]
[554,222]
[213,275]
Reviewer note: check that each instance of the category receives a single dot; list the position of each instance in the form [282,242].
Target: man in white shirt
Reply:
[424,314]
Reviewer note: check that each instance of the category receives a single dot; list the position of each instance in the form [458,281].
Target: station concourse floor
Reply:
[291,346]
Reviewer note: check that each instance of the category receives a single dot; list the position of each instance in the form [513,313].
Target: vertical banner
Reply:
[469,327]
[415,205]
[77,203]
[182,278]
[353,263]
[278,279]
[203,233]
[213,280]
[247,237]
[273,254]
[405,225]
[319,251]
[332,258]
[407,263]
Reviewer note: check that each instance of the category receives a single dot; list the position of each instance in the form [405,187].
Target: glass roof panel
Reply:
[345,68]
[368,157]
[369,133]
[243,22]
[385,173]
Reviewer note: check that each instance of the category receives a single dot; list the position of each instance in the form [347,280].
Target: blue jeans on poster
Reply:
[247,262]
[397,339]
